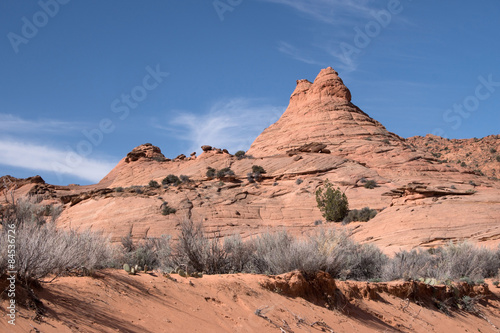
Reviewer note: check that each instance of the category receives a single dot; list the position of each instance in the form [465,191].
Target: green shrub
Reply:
[211,173]
[498,158]
[370,184]
[153,184]
[119,189]
[493,150]
[224,173]
[258,169]
[166,209]
[256,174]
[171,180]
[363,215]
[240,154]
[463,164]
[184,179]
[332,202]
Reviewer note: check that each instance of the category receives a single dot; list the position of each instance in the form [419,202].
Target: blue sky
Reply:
[84,82]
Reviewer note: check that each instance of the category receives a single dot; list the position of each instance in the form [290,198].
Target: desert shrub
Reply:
[256,174]
[240,154]
[370,184]
[153,184]
[27,210]
[128,243]
[332,202]
[224,173]
[463,164]
[199,253]
[150,252]
[119,189]
[498,158]
[166,209]
[299,181]
[463,259]
[252,178]
[493,150]
[469,304]
[184,179]
[453,261]
[171,180]
[258,169]
[331,251]
[274,253]
[238,253]
[42,249]
[410,265]
[137,189]
[343,258]
[211,173]
[363,215]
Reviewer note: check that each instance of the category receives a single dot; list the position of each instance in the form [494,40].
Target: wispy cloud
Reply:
[297,54]
[335,45]
[231,124]
[329,11]
[38,157]
[14,124]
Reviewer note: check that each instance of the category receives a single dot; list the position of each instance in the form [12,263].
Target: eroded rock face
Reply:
[321,112]
[146,150]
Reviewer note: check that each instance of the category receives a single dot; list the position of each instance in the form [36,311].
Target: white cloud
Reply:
[231,124]
[40,157]
[13,124]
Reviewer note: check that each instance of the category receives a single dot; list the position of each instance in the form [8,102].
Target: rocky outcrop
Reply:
[322,112]
[146,150]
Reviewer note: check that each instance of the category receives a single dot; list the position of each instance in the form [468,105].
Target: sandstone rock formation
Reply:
[421,200]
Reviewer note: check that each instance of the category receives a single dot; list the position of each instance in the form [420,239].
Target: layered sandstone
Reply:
[421,200]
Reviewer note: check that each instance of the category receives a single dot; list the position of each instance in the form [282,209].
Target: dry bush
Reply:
[453,261]
[198,252]
[238,253]
[150,252]
[463,259]
[42,249]
[409,265]
[329,250]
[343,258]
[275,253]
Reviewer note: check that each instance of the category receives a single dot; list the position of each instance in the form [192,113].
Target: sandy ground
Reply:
[113,301]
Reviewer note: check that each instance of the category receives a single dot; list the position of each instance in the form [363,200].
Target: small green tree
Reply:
[240,154]
[332,202]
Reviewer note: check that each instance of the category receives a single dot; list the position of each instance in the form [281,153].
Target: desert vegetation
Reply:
[332,202]
[41,249]
[43,252]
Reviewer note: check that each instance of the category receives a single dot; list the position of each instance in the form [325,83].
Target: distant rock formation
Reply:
[321,112]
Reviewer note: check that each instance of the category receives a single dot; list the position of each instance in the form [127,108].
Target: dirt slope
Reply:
[116,302]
